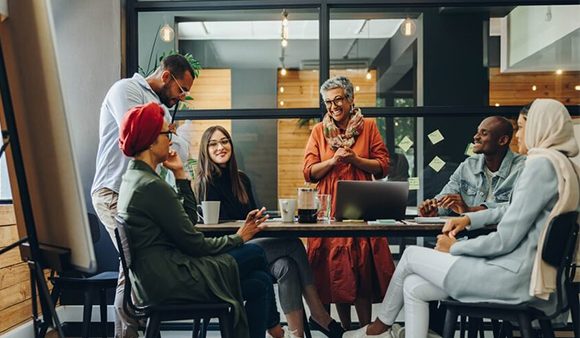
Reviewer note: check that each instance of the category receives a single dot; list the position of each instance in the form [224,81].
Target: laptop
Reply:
[371,200]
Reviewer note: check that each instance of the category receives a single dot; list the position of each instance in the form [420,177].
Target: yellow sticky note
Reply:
[405,143]
[469,150]
[437,163]
[413,183]
[436,137]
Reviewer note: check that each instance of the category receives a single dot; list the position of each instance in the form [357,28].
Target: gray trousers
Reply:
[289,266]
[105,204]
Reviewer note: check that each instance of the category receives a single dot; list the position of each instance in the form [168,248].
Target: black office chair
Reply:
[90,286]
[155,314]
[558,251]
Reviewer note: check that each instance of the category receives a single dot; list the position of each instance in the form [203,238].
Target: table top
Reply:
[332,229]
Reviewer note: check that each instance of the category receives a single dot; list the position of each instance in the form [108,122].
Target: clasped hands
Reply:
[344,154]
[451,228]
[429,208]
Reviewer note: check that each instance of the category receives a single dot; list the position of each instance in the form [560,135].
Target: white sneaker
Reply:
[362,333]
[287,333]
[398,331]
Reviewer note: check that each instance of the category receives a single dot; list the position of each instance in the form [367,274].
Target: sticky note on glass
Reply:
[469,150]
[413,183]
[405,143]
[437,163]
[436,137]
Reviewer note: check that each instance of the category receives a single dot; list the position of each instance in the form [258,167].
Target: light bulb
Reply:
[283,72]
[577,87]
[281,89]
[497,104]
[369,75]
[285,22]
[166,33]
[408,27]
[281,103]
[284,43]
[559,72]
[534,87]
[357,88]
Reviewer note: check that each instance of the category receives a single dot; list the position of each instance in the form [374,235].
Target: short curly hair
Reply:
[338,82]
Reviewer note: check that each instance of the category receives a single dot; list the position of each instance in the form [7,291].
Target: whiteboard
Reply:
[58,205]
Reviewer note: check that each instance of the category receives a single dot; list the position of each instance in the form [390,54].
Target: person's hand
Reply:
[444,243]
[428,208]
[455,225]
[454,202]
[346,154]
[174,164]
[253,224]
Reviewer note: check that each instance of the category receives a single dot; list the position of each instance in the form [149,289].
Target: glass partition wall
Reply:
[428,74]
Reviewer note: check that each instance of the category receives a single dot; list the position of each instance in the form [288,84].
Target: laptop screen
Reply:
[371,200]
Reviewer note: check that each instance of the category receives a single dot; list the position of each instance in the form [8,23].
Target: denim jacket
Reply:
[470,181]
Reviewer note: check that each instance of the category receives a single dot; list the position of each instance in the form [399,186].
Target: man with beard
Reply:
[169,84]
[483,180]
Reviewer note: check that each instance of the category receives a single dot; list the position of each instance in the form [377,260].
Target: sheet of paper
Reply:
[437,163]
[436,137]
[413,183]
[405,143]
[430,220]
[469,150]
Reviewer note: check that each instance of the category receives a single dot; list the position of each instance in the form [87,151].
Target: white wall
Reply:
[88,45]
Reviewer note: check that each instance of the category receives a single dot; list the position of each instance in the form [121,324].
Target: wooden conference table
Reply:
[336,229]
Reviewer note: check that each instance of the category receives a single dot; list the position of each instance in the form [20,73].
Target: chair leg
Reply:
[152,329]
[226,325]
[307,332]
[196,328]
[547,330]
[87,312]
[473,326]
[575,308]
[495,328]
[103,304]
[506,330]
[525,325]
[204,326]
[450,320]
[462,326]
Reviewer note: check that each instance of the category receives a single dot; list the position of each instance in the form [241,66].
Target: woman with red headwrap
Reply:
[172,260]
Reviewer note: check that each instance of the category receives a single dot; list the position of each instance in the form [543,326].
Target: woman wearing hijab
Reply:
[172,260]
[346,146]
[508,259]
[218,179]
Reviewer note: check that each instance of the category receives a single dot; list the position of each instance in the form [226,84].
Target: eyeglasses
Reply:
[224,142]
[184,93]
[168,133]
[338,101]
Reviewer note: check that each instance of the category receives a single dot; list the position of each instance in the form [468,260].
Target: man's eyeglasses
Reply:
[184,93]
[338,101]
[168,133]
[224,142]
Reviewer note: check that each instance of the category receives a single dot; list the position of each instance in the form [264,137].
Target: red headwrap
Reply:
[140,128]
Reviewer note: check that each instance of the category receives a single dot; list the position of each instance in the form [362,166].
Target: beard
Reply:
[164,96]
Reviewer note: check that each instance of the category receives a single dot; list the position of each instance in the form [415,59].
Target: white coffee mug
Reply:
[287,209]
[210,212]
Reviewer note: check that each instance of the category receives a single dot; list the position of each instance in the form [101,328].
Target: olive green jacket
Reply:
[171,260]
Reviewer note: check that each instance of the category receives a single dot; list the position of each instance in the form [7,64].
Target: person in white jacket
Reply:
[507,260]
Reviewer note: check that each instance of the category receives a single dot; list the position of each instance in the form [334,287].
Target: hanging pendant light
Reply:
[408,27]
[166,33]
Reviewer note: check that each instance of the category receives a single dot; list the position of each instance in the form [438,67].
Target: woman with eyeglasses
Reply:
[171,260]
[218,179]
[346,146]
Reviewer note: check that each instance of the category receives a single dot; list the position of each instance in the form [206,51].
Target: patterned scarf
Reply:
[353,129]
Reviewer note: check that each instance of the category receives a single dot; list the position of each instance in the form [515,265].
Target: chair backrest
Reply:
[558,251]
[124,246]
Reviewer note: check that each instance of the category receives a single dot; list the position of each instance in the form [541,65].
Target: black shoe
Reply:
[334,329]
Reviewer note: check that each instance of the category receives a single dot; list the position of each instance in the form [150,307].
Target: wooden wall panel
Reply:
[15,307]
[301,91]
[516,88]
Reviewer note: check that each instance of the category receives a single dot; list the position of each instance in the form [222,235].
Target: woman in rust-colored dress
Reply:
[346,146]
